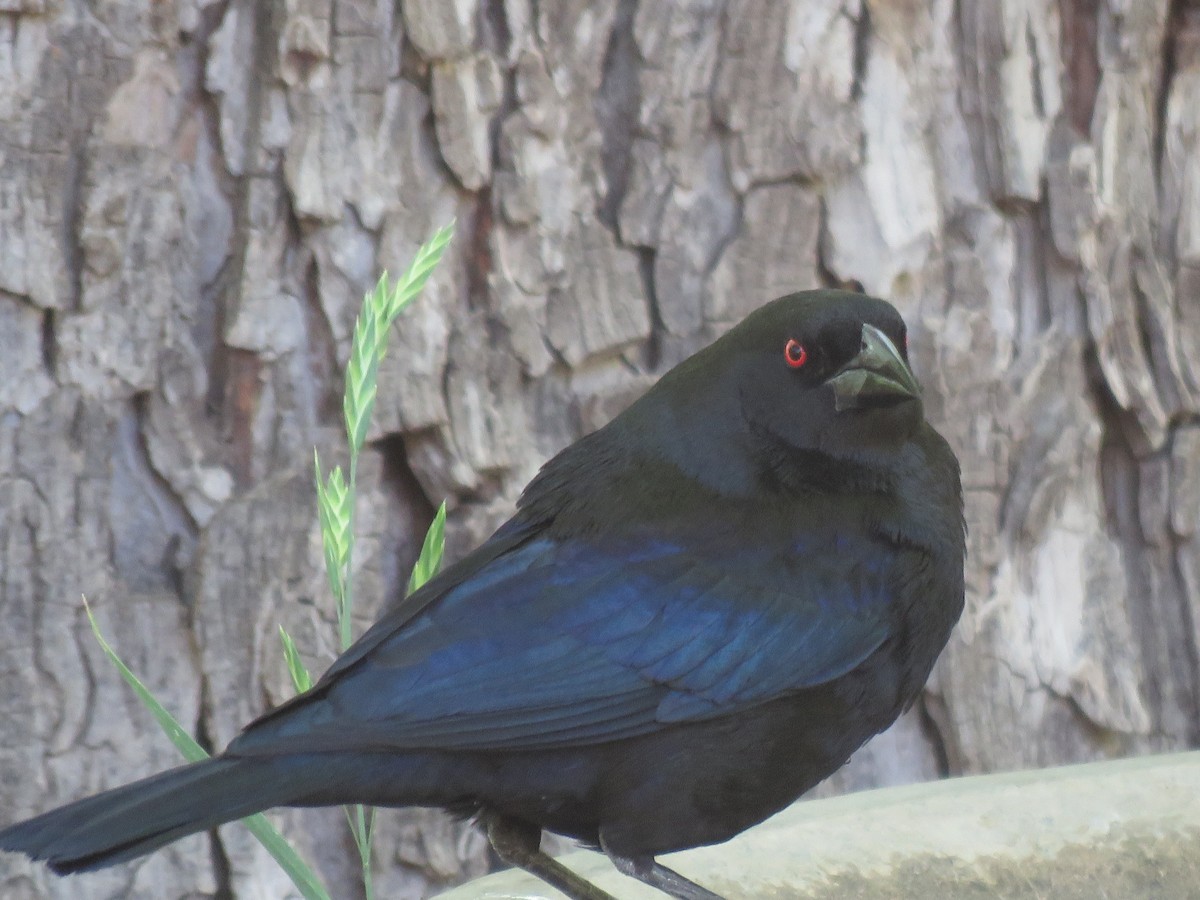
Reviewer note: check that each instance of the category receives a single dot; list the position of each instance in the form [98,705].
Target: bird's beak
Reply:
[877,376]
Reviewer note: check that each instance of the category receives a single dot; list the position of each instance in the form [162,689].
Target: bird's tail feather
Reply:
[130,821]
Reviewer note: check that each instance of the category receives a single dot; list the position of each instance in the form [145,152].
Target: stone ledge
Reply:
[1123,829]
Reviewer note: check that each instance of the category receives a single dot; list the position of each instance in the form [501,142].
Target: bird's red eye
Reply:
[795,354]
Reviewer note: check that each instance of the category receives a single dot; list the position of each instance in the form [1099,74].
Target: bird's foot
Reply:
[647,870]
[520,844]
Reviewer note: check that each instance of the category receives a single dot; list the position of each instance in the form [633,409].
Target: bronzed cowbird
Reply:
[697,613]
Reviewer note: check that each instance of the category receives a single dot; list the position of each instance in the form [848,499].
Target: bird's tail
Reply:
[129,821]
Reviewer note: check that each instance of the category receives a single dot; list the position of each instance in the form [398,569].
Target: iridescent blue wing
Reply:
[565,643]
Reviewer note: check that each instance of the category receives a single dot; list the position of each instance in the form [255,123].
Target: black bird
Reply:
[697,613]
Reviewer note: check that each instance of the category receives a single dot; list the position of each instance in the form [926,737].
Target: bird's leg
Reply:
[520,844]
[655,874]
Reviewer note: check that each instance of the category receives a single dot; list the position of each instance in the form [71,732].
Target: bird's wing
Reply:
[566,643]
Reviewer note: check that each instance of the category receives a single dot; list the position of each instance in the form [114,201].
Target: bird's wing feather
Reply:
[575,642]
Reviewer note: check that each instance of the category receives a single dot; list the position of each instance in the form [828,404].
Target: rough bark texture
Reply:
[194,195]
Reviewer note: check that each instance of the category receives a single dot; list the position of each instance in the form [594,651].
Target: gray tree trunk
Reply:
[194,196]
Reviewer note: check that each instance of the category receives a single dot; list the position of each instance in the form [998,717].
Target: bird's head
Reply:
[825,370]
[821,373]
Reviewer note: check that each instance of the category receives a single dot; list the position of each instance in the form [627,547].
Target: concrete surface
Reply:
[1124,829]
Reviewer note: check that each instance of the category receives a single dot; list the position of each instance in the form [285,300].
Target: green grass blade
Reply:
[289,860]
[361,376]
[335,498]
[328,514]
[186,744]
[301,875]
[411,282]
[430,560]
[339,507]
[296,668]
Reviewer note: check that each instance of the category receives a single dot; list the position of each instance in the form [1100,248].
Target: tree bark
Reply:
[195,195]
